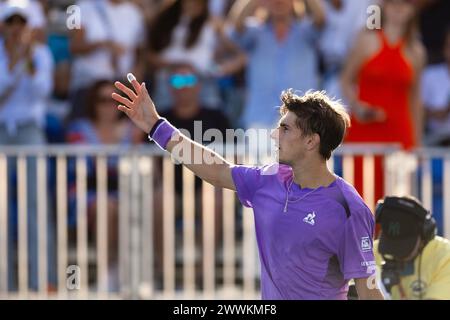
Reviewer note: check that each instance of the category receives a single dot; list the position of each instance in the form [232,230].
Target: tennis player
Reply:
[314,231]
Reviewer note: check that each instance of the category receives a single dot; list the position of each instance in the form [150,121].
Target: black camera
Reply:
[390,274]
[406,228]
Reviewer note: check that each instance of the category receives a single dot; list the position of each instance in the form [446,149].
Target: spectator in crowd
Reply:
[26,69]
[185,84]
[184,32]
[344,19]
[281,53]
[190,116]
[414,262]
[59,44]
[231,85]
[436,98]
[96,130]
[104,47]
[96,127]
[149,8]
[381,83]
[433,20]
[37,20]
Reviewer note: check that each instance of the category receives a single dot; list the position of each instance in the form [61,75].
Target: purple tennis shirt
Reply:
[311,251]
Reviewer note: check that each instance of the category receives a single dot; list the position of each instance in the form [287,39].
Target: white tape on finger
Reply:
[131,77]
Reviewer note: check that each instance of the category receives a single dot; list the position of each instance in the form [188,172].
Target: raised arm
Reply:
[352,66]
[79,45]
[317,12]
[364,46]
[240,10]
[139,107]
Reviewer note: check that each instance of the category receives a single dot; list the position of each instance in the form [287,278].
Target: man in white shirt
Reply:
[37,20]
[436,98]
[26,81]
[26,77]
[104,47]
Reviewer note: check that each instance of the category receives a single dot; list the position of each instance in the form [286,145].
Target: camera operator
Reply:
[414,261]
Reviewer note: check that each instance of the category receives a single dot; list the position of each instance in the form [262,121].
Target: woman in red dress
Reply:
[381,84]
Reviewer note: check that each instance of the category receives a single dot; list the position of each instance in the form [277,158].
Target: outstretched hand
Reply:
[365,113]
[136,104]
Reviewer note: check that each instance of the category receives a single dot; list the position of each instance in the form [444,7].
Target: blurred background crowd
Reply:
[224,63]
[238,55]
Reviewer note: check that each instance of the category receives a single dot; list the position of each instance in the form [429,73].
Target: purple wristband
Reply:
[162,133]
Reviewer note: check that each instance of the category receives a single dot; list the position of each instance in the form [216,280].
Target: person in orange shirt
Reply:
[381,81]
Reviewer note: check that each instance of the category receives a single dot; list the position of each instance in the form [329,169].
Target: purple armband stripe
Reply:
[162,132]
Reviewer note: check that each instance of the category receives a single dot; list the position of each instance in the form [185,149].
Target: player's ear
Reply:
[313,141]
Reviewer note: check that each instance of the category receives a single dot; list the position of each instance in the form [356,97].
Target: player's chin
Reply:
[283,158]
[280,159]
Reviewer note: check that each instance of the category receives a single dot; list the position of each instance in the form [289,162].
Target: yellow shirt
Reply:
[434,273]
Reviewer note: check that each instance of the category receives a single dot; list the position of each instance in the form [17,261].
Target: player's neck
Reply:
[312,174]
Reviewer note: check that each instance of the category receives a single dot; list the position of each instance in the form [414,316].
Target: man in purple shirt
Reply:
[314,231]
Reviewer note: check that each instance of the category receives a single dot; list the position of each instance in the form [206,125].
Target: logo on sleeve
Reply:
[366,244]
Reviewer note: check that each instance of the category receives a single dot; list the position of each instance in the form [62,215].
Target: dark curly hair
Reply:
[317,113]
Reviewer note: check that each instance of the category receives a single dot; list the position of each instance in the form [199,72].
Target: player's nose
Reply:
[274,134]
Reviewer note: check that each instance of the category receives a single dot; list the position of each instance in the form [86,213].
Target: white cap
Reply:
[14,7]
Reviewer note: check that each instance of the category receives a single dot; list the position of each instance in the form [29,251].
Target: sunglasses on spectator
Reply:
[16,19]
[181,81]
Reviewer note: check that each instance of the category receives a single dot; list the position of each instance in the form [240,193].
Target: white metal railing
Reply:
[229,267]
[424,159]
